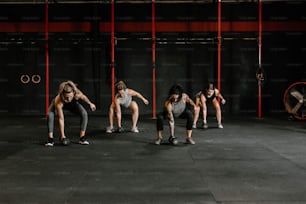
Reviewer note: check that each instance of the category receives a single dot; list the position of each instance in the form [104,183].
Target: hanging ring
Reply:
[36,78]
[25,79]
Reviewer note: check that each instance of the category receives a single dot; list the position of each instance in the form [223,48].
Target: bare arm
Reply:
[218,94]
[188,99]
[59,109]
[80,95]
[170,117]
[138,95]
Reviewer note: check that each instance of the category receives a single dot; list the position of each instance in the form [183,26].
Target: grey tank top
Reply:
[178,108]
[126,100]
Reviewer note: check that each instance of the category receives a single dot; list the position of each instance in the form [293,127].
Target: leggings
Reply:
[74,107]
[187,114]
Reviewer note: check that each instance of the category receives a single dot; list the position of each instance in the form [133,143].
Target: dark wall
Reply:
[185,55]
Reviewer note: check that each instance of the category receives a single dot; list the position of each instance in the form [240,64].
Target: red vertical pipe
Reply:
[47,53]
[113,47]
[259,54]
[219,45]
[153,62]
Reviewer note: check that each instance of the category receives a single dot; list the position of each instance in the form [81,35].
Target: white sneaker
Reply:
[135,130]
[158,141]
[109,130]
[205,126]
[194,126]
[189,140]
[220,126]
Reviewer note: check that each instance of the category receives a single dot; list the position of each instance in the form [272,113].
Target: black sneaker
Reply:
[83,141]
[173,140]
[50,142]
[120,129]
[65,141]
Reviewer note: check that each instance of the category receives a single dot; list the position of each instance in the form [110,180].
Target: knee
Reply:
[218,108]
[50,115]
[189,114]
[84,114]
[197,109]
[134,107]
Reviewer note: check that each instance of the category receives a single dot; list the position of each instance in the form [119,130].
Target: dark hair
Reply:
[120,85]
[176,89]
[210,86]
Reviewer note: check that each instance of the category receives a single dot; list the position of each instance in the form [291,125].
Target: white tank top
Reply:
[126,100]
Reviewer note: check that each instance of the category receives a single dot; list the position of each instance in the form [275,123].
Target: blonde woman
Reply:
[68,98]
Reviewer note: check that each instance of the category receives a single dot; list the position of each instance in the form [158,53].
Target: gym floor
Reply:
[250,161]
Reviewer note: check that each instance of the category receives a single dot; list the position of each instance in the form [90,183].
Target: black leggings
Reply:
[74,107]
[187,114]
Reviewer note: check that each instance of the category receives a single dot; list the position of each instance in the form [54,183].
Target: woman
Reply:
[175,107]
[209,95]
[124,98]
[68,98]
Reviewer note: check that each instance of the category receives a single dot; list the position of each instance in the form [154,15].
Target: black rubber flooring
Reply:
[250,161]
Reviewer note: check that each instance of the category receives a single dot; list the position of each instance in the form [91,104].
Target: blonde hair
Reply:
[67,87]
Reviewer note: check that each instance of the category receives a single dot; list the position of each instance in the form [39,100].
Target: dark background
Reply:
[187,56]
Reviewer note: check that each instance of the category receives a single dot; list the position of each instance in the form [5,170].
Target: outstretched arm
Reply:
[83,97]
[138,95]
[223,101]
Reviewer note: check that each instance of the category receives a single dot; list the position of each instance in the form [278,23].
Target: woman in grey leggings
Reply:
[68,99]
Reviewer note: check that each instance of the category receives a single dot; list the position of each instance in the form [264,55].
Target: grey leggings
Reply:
[74,107]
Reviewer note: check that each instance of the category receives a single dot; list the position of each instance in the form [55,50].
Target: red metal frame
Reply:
[113,48]
[47,53]
[219,45]
[259,55]
[153,62]
[169,26]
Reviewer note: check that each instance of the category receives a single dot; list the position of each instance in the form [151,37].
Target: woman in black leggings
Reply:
[175,107]
[68,99]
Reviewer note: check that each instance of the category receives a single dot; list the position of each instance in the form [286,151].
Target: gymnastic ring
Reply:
[36,78]
[25,79]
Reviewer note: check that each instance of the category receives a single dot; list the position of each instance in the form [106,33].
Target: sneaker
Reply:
[205,126]
[158,141]
[110,130]
[120,129]
[65,141]
[135,130]
[189,140]
[173,140]
[194,126]
[83,141]
[50,142]
[220,126]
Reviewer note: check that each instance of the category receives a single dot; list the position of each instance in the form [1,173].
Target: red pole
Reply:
[113,48]
[153,62]
[259,54]
[219,45]
[47,53]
